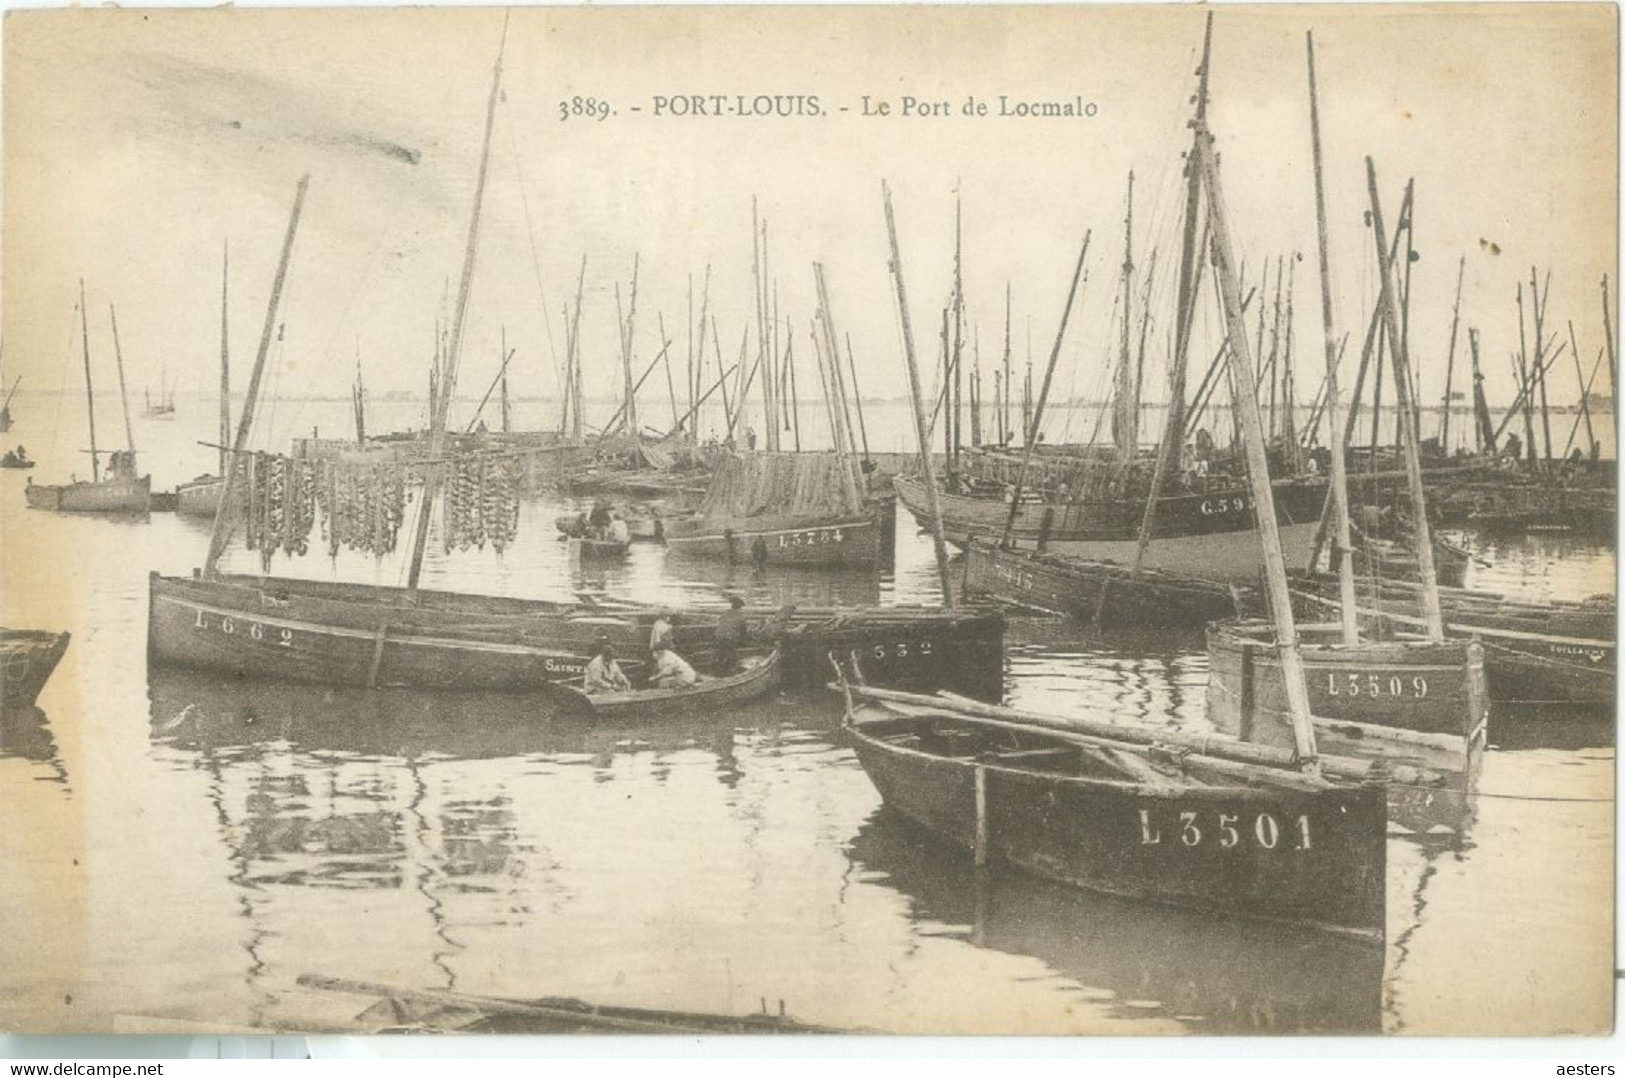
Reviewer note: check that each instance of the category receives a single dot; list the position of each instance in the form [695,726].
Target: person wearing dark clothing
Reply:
[733,633]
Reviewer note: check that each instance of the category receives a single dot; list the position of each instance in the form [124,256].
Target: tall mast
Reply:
[1190,269]
[1126,409]
[1608,336]
[1245,400]
[1538,299]
[124,397]
[957,423]
[90,390]
[225,355]
[506,420]
[1450,359]
[448,379]
[245,422]
[1481,407]
[843,434]
[1004,404]
[1334,424]
[1421,531]
[921,433]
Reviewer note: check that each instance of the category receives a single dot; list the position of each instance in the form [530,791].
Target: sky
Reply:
[138,144]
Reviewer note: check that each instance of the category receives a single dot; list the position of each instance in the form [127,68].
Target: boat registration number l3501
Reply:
[1227,830]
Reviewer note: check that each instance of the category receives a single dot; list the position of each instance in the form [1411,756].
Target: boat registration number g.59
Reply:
[230,626]
[1227,830]
[1373,685]
[1220,506]
[812,537]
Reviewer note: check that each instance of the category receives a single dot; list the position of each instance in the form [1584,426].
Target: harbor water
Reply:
[180,847]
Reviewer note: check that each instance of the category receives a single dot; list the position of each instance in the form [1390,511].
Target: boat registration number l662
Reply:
[1227,830]
[230,626]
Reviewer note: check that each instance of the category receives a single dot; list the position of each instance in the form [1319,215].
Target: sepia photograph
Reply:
[1014,520]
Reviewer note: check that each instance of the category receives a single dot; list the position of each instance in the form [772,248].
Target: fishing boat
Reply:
[200,497]
[759,675]
[162,408]
[120,489]
[396,1009]
[16,460]
[1103,592]
[27,658]
[1535,652]
[585,548]
[1207,533]
[1198,829]
[5,405]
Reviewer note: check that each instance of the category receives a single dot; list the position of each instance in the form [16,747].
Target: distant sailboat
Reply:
[201,497]
[164,406]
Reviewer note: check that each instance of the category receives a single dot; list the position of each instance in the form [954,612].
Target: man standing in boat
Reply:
[660,636]
[733,633]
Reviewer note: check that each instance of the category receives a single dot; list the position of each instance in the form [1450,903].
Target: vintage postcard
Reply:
[921,520]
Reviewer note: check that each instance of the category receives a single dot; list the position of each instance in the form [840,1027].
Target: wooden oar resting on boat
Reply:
[398,1008]
[27,658]
[1551,652]
[1198,822]
[758,675]
[1106,592]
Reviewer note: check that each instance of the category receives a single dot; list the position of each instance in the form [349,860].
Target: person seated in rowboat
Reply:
[660,635]
[599,520]
[733,633]
[603,672]
[672,670]
[618,532]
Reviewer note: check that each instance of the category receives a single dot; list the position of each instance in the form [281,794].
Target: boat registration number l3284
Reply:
[230,626]
[812,537]
[1227,830]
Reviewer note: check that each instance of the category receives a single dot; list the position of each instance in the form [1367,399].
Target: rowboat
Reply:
[584,549]
[823,539]
[1093,590]
[1550,652]
[27,658]
[1203,534]
[15,460]
[402,1009]
[1196,829]
[759,675]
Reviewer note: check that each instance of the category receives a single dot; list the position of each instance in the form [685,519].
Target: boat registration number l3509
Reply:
[230,626]
[812,537]
[1227,830]
[1372,684]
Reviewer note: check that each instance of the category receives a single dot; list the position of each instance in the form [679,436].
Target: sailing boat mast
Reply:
[223,510]
[225,356]
[1334,425]
[90,391]
[124,397]
[448,380]
[1127,409]
[1246,402]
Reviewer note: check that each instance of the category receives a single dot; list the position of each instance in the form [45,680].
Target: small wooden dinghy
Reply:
[759,675]
[27,657]
[403,1009]
[599,549]
[1195,822]
[1081,588]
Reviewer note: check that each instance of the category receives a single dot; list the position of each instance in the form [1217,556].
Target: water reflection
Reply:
[1142,961]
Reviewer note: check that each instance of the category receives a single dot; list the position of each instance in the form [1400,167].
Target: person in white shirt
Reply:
[618,531]
[661,635]
[603,672]
[672,671]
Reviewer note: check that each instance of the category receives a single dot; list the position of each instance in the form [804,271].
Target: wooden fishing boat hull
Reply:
[599,550]
[1550,654]
[15,466]
[767,540]
[107,496]
[26,661]
[259,634]
[200,497]
[1061,584]
[759,677]
[1209,535]
[903,647]
[1315,858]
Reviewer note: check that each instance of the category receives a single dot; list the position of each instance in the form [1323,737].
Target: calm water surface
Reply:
[177,847]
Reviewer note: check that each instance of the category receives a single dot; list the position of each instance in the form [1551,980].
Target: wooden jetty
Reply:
[27,658]
[1219,829]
